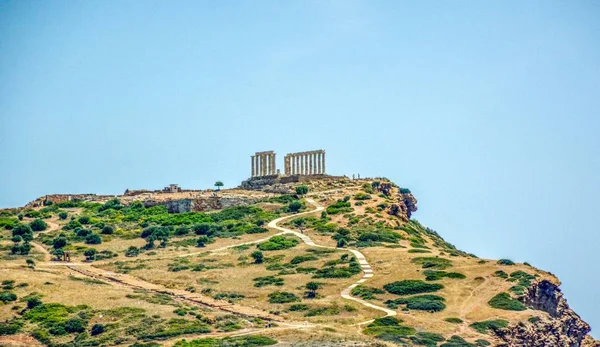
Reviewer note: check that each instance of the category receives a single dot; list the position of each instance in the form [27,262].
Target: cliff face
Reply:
[563,328]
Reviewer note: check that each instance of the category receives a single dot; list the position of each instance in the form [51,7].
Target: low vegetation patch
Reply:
[268,281]
[430,303]
[407,287]
[489,325]
[276,243]
[505,262]
[339,207]
[434,275]
[237,341]
[503,301]
[453,320]
[365,292]
[282,297]
[433,262]
[389,329]
[457,341]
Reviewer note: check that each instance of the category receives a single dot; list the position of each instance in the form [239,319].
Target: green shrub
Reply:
[10,327]
[33,302]
[282,298]
[431,303]
[489,325]
[277,243]
[407,287]
[237,341]
[433,262]
[417,250]
[258,257]
[24,231]
[365,292]
[362,196]
[503,301]
[84,220]
[38,225]
[302,258]
[75,325]
[457,341]
[132,251]
[97,329]
[294,206]
[108,230]
[298,307]
[322,311]
[453,320]
[63,215]
[427,339]
[302,189]
[433,275]
[7,297]
[339,207]
[505,262]
[501,274]
[93,239]
[352,269]
[388,328]
[268,281]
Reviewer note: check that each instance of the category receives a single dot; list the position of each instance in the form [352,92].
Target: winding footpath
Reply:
[195,299]
[362,260]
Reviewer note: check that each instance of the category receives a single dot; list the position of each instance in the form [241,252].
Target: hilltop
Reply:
[321,260]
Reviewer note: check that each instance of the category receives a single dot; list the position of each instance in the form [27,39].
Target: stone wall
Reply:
[202,204]
[57,198]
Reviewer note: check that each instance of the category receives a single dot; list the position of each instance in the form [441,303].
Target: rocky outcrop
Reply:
[562,327]
[407,204]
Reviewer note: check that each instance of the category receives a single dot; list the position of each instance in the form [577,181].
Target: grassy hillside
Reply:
[144,277]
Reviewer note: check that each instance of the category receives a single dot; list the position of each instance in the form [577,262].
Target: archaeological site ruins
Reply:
[300,163]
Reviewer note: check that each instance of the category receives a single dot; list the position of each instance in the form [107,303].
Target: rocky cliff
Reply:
[562,327]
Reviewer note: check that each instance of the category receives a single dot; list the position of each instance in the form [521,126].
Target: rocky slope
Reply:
[563,327]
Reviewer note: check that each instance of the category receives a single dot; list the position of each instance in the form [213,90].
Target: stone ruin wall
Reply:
[202,204]
[57,198]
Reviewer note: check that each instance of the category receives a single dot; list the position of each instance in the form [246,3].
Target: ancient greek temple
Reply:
[305,163]
[263,164]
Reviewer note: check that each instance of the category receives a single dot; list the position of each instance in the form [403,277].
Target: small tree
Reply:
[33,302]
[258,257]
[93,239]
[58,253]
[132,251]
[38,225]
[90,254]
[63,215]
[59,242]
[107,230]
[97,329]
[30,263]
[312,289]
[219,184]
[302,189]
[202,241]
[295,206]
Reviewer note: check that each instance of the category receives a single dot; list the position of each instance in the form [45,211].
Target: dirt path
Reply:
[196,299]
[362,260]
[51,227]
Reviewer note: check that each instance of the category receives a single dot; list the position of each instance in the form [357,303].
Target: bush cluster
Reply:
[407,287]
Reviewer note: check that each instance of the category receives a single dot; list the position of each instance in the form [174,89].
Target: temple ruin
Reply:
[263,164]
[305,163]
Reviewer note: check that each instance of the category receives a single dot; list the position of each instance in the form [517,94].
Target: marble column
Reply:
[252,163]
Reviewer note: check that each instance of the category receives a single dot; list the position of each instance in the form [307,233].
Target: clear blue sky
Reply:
[488,112]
